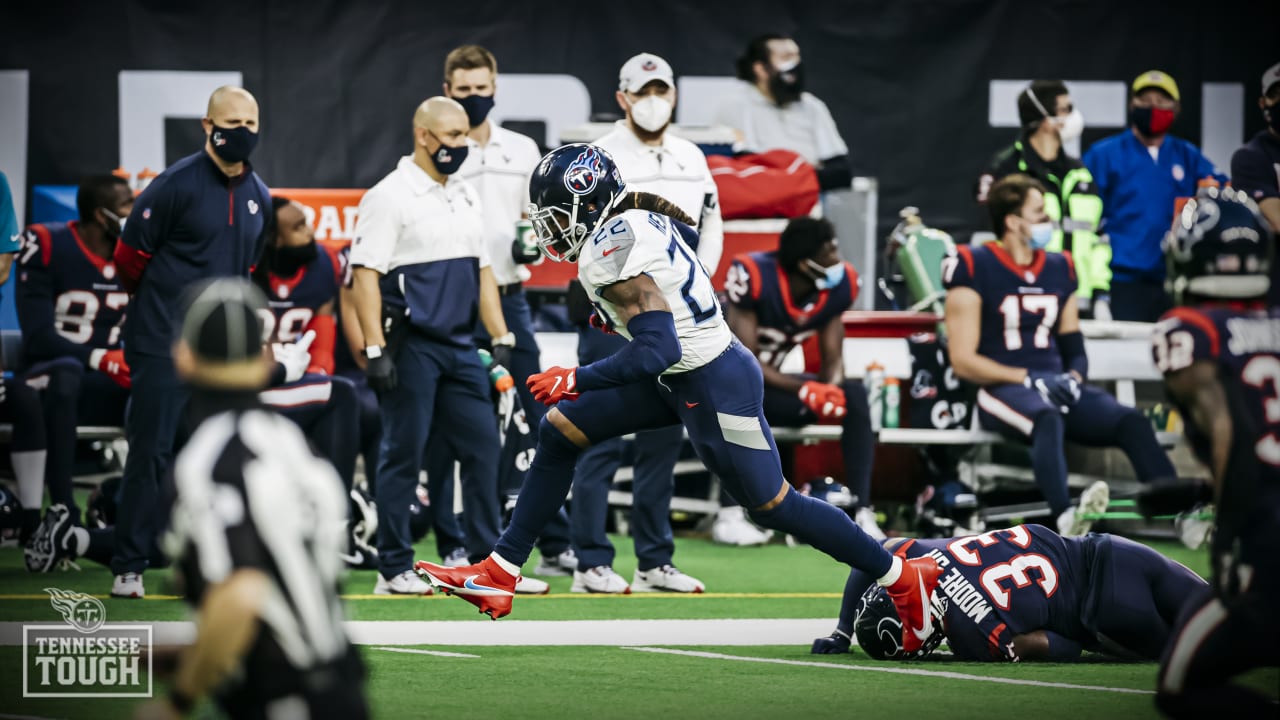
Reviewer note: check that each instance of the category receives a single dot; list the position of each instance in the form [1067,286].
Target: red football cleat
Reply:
[484,584]
[910,595]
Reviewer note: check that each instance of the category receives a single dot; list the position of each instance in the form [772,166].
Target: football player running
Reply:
[682,365]
[1220,356]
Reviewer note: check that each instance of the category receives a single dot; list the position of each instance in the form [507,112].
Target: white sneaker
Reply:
[667,579]
[732,528]
[128,585]
[1193,527]
[866,519]
[406,583]
[600,579]
[561,565]
[457,558]
[1093,501]
[531,586]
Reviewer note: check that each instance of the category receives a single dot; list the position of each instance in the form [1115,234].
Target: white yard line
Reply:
[435,653]
[895,670]
[611,633]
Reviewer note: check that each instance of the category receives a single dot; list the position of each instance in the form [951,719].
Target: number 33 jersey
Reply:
[1021,304]
[639,242]
[1245,345]
[69,300]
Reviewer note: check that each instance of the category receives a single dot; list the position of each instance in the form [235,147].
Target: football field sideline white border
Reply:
[634,635]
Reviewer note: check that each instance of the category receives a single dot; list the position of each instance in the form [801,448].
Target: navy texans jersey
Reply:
[756,282]
[70,301]
[293,301]
[1245,344]
[1005,583]
[1021,305]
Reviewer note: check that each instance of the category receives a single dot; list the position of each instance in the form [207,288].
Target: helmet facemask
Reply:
[561,233]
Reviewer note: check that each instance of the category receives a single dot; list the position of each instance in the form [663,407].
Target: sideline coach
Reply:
[201,218]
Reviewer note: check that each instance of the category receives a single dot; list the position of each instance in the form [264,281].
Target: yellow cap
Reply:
[1156,79]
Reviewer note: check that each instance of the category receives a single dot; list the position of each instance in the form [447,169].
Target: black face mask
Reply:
[286,261]
[448,159]
[233,145]
[786,87]
[1272,116]
[477,107]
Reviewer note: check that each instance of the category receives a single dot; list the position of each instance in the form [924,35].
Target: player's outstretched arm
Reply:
[964,328]
[654,345]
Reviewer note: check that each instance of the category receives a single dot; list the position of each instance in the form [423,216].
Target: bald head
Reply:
[440,121]
[436,112]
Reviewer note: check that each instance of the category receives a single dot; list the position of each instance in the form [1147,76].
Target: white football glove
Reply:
[295,357]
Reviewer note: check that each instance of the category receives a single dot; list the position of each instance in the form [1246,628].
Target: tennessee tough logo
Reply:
[584,172]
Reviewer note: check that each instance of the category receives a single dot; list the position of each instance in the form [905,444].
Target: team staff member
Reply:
[1139,174]
[498,167]
[1049,120]
[1014,330]
[1255,168]
[203,217]
[771,109]
[654,161]
[420,259]
[270,639]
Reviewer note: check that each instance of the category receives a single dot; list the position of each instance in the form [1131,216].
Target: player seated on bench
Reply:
[71,308]
[1026,593]
[1014,330]
[780,299]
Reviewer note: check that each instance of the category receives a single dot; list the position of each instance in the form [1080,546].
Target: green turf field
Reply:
[607,681]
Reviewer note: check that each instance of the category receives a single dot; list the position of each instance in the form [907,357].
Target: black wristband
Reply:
[278,373]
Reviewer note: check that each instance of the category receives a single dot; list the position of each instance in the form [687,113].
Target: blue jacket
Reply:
[1138,197]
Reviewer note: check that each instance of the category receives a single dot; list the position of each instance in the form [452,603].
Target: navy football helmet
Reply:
[1220,247]
[879,629]
[10,518]
[572,189]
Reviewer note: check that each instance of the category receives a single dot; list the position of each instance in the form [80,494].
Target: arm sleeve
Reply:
[1206,168]
[326,330]
[35,303]
[654,347]
[710,225]
[1253,174]
[152,218]
[377,230]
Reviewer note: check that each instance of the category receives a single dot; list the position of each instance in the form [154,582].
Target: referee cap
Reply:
[642,68]
[1158,80]
[223,321]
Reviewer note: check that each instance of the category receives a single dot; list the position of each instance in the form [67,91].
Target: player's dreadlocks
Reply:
[652,203]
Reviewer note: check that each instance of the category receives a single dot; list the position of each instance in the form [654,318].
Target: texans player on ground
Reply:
[71,308]
[1026,593]
[1220,356]
[682,365]
[781,299]
[1014,329]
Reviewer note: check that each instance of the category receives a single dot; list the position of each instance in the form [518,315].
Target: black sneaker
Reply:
[52,541]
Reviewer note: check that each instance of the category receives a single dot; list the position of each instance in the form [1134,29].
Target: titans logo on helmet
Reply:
[583,173]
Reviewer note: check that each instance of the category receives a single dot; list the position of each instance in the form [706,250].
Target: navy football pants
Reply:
[784,408]
[1138,595]
[1097,420]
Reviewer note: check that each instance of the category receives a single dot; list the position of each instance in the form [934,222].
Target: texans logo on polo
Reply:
[584,172]
[253,207]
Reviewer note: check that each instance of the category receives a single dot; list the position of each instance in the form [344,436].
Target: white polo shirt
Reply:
[676,171]
[500,172]
[803,127]
[409,218]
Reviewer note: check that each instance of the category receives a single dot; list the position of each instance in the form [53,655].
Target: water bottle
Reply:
[498,375]
[875,394]
[528,240]
[892,393]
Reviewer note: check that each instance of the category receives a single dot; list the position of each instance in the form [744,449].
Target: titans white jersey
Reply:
[641,242]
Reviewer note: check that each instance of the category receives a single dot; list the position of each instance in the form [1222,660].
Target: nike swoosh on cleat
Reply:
[923,631]
[471,584]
